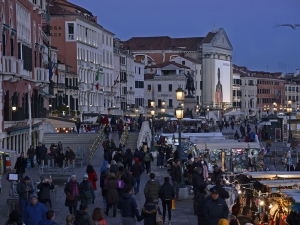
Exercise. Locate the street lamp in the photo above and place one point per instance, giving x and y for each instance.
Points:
(207, 109)
(180, 94)
(163, 103)
(14, 108)
(152, 103)
(152, 112)
(275, 107)
(197, 108)
(289, 110)
(179, 111)
(163, 110)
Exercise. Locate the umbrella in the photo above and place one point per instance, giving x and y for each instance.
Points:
(163, 115)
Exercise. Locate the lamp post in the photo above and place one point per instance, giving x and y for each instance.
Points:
(289, 111)
(207, 109)
(152, 112)
(179, 115)
(197, 108)
(275, 108)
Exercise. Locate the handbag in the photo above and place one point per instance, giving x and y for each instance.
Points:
(70, 197)
(159, 220)
(120, 184)
(173, 204)
(88, 194)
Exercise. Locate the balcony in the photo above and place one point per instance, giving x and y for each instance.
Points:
(9, 65)
(83, 108)
(93, 108)
(41, 76)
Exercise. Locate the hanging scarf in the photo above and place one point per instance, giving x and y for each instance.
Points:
(75, 188)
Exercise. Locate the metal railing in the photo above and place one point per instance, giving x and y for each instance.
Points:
(124, 136)
(93, 148)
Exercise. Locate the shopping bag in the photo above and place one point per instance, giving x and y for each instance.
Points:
(120, 184)
(173, 204)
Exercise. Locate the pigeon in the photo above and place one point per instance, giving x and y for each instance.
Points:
(293, 26)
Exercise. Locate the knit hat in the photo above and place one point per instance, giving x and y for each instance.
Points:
(15, 215)
(136, 159)
(223, 222)
(26, 178)
(34, 196)
(85, 176)
(73, 176)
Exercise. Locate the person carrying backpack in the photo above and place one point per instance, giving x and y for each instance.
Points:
(120, 128)
(148, 158)
(252, 137)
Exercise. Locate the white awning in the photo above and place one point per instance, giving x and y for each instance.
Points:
(237, 145)
(264, 123)
(274, 174)
(93, 119)
(3, 150)
(278, 183)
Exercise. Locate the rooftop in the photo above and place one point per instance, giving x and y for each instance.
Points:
(164, 64)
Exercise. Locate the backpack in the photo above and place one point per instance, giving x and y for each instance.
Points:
(120, 127)
(147, 157)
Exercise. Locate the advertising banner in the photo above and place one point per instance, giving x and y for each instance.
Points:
(222, 85)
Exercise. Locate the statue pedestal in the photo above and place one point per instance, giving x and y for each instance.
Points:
(190, 102)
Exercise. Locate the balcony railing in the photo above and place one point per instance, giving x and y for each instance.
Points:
(9, 64)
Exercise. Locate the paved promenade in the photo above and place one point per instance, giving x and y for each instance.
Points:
(183, 214)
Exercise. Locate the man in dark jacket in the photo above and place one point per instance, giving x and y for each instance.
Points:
(161, 155)
(24, 189)
(50, 217)
(215, 208)
(82, 217)
(118, 156)
(223, 194)
(43, 153)
(152, 188)
(198, 183)
(37, 153)
(201, 199)
(44, 194)
(217, 174)
(128, 207)
(20, 166)
(246, 216)
(166, 194)
(176, 177)
(136, 170)
(114, 168)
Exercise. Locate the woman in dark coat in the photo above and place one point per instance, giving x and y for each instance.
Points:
(87, 194)
(120, 176)
(59, 147)
(72, 188)
(60, 158)
(30, 154)
(149, 212)
(201, 199)
(112, 197)
(128, 157)
(167, 194)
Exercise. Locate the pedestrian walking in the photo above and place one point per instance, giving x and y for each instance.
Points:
(82, 216)
(87, 194)
(60, 157)
(120, 128)
(103, 179)
(24, 190)
(128, 157)
(129, 209)
(149, 211)
(50, 217)
(168, 152)
(152, 188)
(121, 180)
(201, 198)
(106, 130)
(114, 168)
(167, 194)
(35, 212)
(14, 218)
(78, 125)
(176, 177)
(112, 196)
(43, 153)
(148, 158)
(161, 155)
(215, 208)
(232, 125)
(223, 194)
(98, 217)
(198, 184)
(37, 152)
(136, 171)
(93, 177)
(20, 166)
(69, 156)
(45, 186)
(30, 155)
(59, 147)
(72, 194)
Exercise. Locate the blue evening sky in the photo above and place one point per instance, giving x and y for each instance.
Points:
(249, 24)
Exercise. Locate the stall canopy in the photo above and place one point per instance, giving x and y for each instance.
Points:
(3, 150)
(274, 174)
(278, 183)
(93, 119)
(293, 193)
(237, 145)
(265, 123)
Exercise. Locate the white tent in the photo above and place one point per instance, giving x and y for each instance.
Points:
(230, 145)
(278, 183)
(93, 119)
(234, 113)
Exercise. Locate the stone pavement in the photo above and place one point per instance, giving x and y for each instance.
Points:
(183, 214)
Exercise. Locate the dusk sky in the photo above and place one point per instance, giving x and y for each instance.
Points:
(249, 24)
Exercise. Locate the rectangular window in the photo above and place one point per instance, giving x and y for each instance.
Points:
(183, 62)
(123, 76)
(200, 85)
(159, 103)
(250, 82)
(122, 60)
(149, 88)
(139, 84)
(159, 87)
(3, 45)
(12, 47)
(124, 90)
(71, 31)
(170, 103)
(170, 87)
(139, 70)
